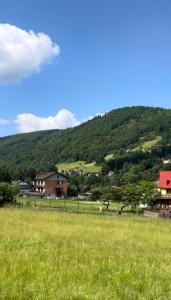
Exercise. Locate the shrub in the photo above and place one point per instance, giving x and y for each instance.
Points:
(7, 193)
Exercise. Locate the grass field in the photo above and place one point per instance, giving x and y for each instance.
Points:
(80, 165)
(48, 255)
(142, 146)
(70, 205)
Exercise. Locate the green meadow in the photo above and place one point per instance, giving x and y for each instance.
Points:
(71, 205)
(79, 165)
(50, 255)
(147, 145)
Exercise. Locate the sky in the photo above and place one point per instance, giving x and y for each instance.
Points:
(65, 61)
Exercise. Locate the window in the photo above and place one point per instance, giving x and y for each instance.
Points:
(168, 182)
(62, 182)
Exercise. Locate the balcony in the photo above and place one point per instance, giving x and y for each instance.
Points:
(161, 196)
(39, 183)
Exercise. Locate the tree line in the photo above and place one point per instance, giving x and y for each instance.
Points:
(129, 195)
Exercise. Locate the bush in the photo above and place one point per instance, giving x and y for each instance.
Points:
(7, 193)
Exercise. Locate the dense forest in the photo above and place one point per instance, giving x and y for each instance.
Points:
(137, 138)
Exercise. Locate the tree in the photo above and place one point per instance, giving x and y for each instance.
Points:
(135, 195)
(106, 195)
(149, 193)
(131, 195)
(96, 195)
(72, 191)
(5, 175)
(7, 193)
(101, 196)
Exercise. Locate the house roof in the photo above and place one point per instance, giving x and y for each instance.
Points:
(44, 176)
(165, 180)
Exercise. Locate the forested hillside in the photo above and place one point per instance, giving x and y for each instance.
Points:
(121, 133)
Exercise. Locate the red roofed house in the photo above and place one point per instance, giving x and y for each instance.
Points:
(164, 197)
(165, 183)
(52, 183)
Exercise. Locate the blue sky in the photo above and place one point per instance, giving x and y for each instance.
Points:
(112, 54)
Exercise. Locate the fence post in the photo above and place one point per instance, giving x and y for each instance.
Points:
(78, 204)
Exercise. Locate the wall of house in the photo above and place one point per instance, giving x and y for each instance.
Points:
(50, 186)
(163, 192)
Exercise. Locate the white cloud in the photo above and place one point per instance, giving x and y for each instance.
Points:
(92, 117)
(23, 52)
(29, 122)
(4, 122)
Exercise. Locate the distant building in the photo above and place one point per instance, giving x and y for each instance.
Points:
(111, 173)
(84, 196)
(24, 187)
(51, 183)
(166, 161)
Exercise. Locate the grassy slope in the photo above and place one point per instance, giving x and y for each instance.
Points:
(142, 146)
(147, 145)
(80, 165)
(45, 255)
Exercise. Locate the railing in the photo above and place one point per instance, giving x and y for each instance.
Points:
(168, 196)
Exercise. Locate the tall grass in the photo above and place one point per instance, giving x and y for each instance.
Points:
(47, 255)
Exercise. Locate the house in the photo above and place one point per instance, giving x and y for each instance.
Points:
(51, 183)
(24, 187)
(164, 190)
(165, 183)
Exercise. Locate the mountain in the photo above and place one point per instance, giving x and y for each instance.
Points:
(119, 133)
